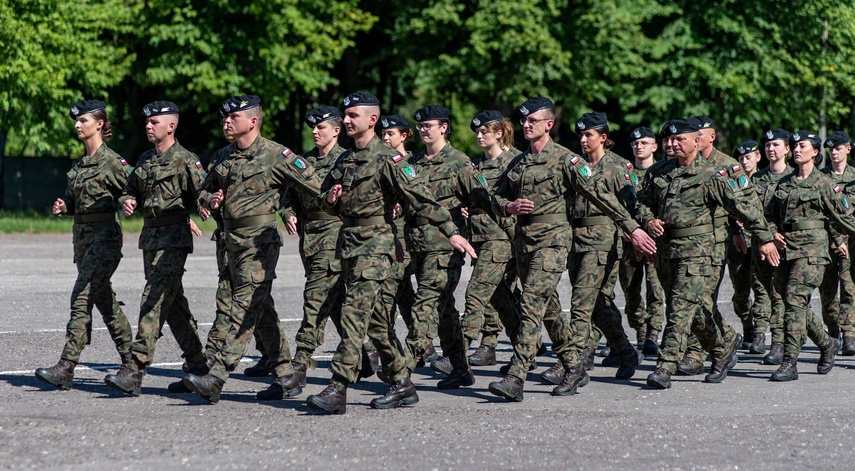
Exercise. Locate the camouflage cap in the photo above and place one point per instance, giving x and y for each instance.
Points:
(484, 117)
(86, 106)
(319, 115)
(157, 108)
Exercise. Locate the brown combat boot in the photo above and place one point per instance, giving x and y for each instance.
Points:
(332, 400)
(300, 372)
(60, 375)
(690, 366)
(207, 386)
(484, 356)
(848, 346)
(775, 355)
(282, 387)
(510, 387)
(788, 371)
(126, 380)
(457, 379)
(574, 379)
(442, 365)
(402, 393)
(554, 375)
(659, 379)
(758, 344)
(428, 356)
(587, 358)
(826, 357)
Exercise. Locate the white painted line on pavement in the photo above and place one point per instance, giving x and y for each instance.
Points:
(42, 331)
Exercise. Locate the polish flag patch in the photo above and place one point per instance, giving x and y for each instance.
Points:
(198, 164)
(629, 165)
(397, 158)
(286, 152)
(837, 189)
(735, 168)
(124, 162)
(574, 160)
(722, 172)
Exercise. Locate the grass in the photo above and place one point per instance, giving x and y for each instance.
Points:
(30, 221)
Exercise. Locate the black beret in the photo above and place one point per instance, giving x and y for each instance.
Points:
(747, 147)
(804, 135)
(157, 108)
(431, 112)
(837, 138)
(774, 135)
(394, 121)
(641, 132)
(359, 99)
(591, 120)
(705, 122)
(680, 126)
(484, 117)
(86, 106)
(239, 103)
(535, 103)
(321, 114)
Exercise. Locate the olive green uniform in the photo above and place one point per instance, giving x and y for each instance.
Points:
(839, 312)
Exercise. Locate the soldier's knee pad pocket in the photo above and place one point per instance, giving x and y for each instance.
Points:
(373, 268)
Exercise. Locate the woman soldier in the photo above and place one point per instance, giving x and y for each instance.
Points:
(805, 202)
(95, 183)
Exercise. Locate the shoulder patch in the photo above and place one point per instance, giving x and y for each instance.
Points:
(574, 160)
(299, 163)
(743, 182)
(732, 184)
(735, 168)
(586, 171)
(629, 165)
(198, 164)
(397, 158)
(123, 161)
(286, 152)
(845, 202)
(722, 172)
(634, 179)
(837, 189)
(483, 181)
(410, 171)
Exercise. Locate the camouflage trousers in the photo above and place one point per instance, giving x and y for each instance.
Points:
(689, 285)
(540, 271)
(740, 272)
(404, 294)
(96, 264)
(838, 313)
(492, 299)
(437, 275)
(797, 279)
(322, 298)
(632, 273)
(366, 309)
(768, 305)
(593, 276)
(163, 301)
(695, 349)
(252, 272)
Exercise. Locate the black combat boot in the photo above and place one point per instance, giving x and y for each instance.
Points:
(60, 375)
(747, 337)
(758, 344)
(612, 359)
(775, 355)
(458, 378)
(659, 379)
(402, 393)
(650, 346)
(690, 366)
(719, 370)
(574, 379)
(629, 358)
(126, 380)
(300, 372)
(260, 369)
(788, 371)
(510, 387)
(586, 356)
(208, 386)
(848, 346)
(442, 365)
(554, 374)
(282, 387)
(332, 400)
(484, 356)
(826, 356)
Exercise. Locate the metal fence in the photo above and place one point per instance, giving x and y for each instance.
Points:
(32, 182)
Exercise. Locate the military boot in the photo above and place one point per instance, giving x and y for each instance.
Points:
(457, 378)
(402, 393)
(690, 366)
(587, 358)
(554, 374)
(788, 371)
(126, 380)
(747, 337)
(659, 379)
(260, 369)
(428, 356)
(484, 356)
(650, 346)
(612, 360)
(510, 387)
(826, 356)
(639, 339)
(605, 352)
(775, 355)
(719, 370)
(574, 379)
(332, 400)
(59, 375)
(370, 363)
(848, 346)
(300, 372)
(282, 387)
(207, 386)
(541, 349)
(758, 344)
(178, 387)
(126, 358)
(630, 358)
(442, 365)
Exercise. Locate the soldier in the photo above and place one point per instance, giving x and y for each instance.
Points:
(248, 187)
(806, 202)
(646, 320)
(492, 296)
(536, 188)
(364, 188)
(839, 314)
(95, 183)
(164, 185)
(678, 204)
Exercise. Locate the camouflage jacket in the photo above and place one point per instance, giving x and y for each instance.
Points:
(617, 178)
(764, 183)
(166, 185)
(685, 199)
(253, 181)
(373, 179)
(846, 180)
(318, 229)
(94, 186)
(483, 226)
(455, 184)
(216, 158)
(548, 179)
(720, 160)
(817, 201)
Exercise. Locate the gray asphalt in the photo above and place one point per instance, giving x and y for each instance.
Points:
(747, 422)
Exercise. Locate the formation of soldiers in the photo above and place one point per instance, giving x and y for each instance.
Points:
(372, 216)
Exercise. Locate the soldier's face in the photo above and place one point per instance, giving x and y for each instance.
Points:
(840, 153)
(776, 150)
(536, 124)
(685, 145)
(804, 153)
(237, 124)
(749, 161)
(157, 128)
(591, 140)
(393, 137)
(358, 120)
(324, 133)
(87, 126)
(706, 139)
(432, 131)
(668, 147)
(643, 148)
(486, 138)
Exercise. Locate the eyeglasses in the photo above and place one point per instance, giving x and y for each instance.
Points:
(640, 144)
(532, 121)
(425, 126)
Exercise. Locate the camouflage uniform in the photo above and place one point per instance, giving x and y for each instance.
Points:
(94, 186)
(542, 240)
(492, 298)
(165, 187)
(451, 179)
(839, 313)
(685, 200)
(324, 291)
(253, 181)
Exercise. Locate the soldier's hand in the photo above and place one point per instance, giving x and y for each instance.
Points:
(291, 225)
(400, 256)
(780, 242)
(195, 229)
(128, 207)
(844, 250)
(58, 206)
(740, 243)
(642, 241)
(396, 211)
(333, 194)
(519, 206)
(464, 212)
(656, 228)
(462, 245)
(769, 252)
(204, 213)
(216, 199)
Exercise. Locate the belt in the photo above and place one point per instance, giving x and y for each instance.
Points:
(321, 216)
(369, 221)
(541, 218)
(420, 221)
(166, 220)
(94, 217)
(592, 221)
(237, 223)
(799, 226)
(690, 231)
